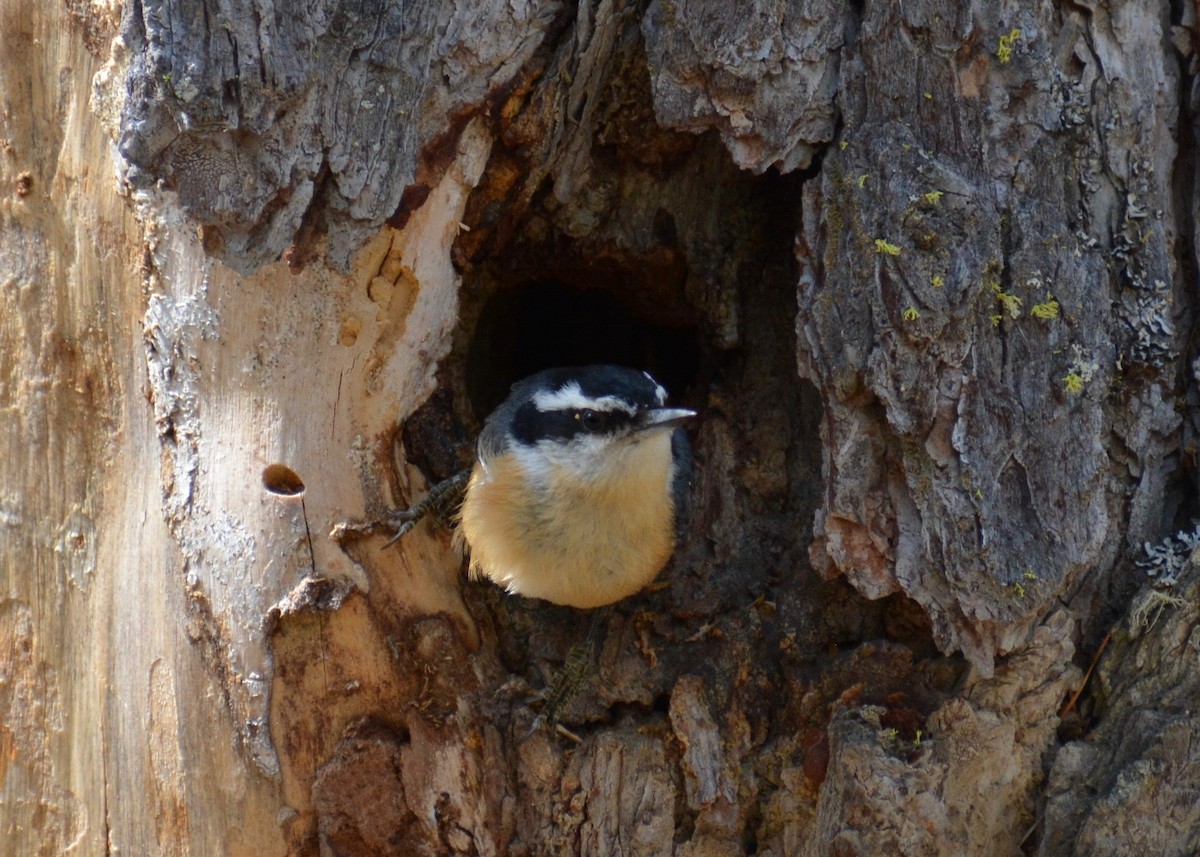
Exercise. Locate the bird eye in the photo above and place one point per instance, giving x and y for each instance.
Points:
(590, 420)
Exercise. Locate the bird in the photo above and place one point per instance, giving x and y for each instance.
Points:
(579, 488)
(577, 496)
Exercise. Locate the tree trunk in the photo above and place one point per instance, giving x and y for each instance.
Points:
(927, 271)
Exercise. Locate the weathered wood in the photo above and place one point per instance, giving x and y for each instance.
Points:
(766, 77)
(1131, 784)
(258, 115)
(968, 419)
(968, 228)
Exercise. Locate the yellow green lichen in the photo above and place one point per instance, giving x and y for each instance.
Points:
(882, 245)
(1048, 309)
(1004, 50)
(1009, 303)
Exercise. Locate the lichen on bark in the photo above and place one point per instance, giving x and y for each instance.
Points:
(923, 267)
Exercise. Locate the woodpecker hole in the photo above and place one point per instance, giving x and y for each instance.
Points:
(282, 481)
(541, 323)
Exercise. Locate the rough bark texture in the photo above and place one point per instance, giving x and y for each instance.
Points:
(767, 80)
(929, 276)
(251, 112)
(966, 469)
(1131, 786)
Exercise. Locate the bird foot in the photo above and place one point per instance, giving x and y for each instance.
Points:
(565, 685)
(441, 502)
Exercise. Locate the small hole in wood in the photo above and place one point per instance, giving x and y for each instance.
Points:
(281, 480)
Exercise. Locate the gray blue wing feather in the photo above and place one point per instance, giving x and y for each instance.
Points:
(681, 482)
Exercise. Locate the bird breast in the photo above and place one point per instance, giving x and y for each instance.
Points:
(573, 538)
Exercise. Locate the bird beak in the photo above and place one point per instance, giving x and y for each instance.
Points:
(657, 418)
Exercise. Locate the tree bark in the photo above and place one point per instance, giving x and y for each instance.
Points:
(927, 270)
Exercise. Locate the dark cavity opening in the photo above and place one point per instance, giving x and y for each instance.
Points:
(544, 323)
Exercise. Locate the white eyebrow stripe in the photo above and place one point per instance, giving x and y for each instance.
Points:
(570, 397)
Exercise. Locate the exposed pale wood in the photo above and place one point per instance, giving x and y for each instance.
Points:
(247, 259)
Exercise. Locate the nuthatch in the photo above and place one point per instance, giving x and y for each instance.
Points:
(579, 486)
(577, 494)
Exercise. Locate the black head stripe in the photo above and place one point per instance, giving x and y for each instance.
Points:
(531, 424)
(520, 415)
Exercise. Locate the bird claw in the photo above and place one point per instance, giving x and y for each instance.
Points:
(565, 685)
(439, 501)
(405, 516)
(403, 528)
(542, 721)
(534, 728)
